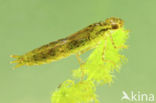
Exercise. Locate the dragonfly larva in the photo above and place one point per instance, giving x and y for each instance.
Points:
(78, 42)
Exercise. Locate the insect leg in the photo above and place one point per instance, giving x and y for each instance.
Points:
(104, 52)
(81, 52)
(113, 43)
(79, 59)
(81, 62)
(111, 38)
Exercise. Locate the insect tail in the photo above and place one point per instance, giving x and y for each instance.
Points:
(18, 61)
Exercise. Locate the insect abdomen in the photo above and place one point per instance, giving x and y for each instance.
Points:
(51, 52)
(84, 39)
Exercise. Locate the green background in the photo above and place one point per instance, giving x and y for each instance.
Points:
(27, 24)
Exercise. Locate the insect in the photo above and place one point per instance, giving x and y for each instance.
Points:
(76, 43)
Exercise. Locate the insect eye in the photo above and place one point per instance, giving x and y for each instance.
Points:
(115, 26)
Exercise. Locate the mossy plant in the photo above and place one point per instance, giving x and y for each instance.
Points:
(97, 70)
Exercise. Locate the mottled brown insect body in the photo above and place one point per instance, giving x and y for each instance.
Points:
(83, 40)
